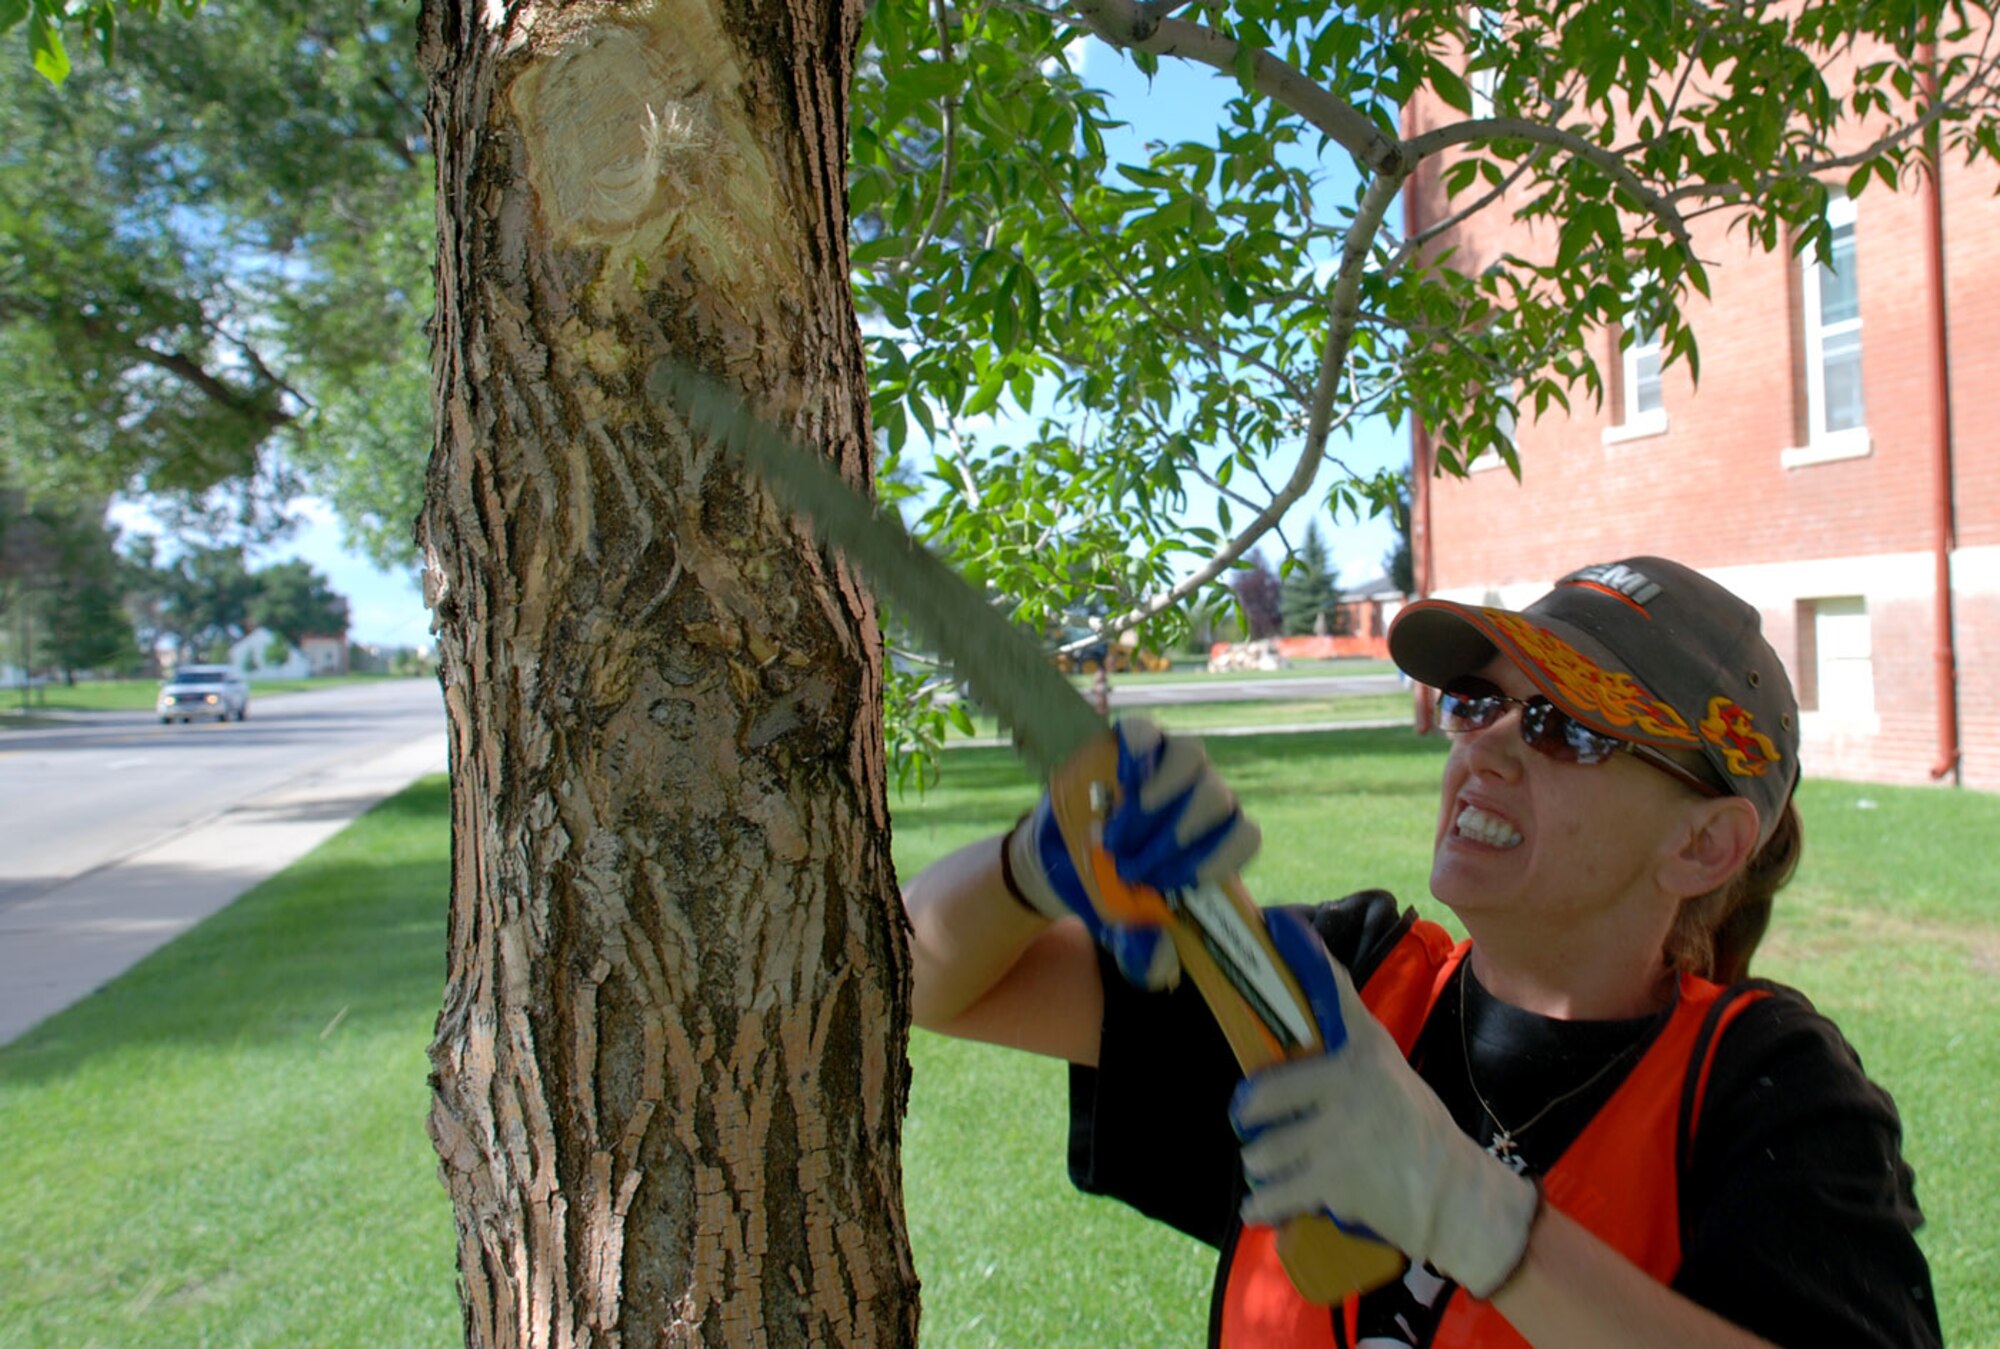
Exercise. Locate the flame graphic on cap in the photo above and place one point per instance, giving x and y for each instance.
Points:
(1730, 728)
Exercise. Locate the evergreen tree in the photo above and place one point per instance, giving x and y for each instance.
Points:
(1309, 595)
(1400, 563)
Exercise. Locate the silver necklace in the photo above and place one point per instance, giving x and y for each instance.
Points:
(1504, 1145)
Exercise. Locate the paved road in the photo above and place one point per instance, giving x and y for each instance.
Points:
(118, 833)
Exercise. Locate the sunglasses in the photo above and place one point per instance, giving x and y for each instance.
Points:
(1472, 704)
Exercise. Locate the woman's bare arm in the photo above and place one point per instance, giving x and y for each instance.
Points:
(985, 967)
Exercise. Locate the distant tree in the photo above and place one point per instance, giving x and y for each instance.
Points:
(1399, 564)
(1258, 595)
(205, 596)
(1309, 594)
(88, 629)
(216, 261)
(59, 564)
(295, 601)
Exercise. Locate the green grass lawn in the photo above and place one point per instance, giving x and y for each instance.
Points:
(1253, 712)
(137, 695)
(226, 1145)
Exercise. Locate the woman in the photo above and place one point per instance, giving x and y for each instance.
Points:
(1584, 1125)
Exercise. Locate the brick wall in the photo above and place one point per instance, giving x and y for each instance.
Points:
(1716, 488)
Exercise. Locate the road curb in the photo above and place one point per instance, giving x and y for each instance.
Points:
(63, 943)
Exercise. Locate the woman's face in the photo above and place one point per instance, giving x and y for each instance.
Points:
(1521, 833)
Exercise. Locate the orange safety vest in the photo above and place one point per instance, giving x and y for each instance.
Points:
(1633, 1208)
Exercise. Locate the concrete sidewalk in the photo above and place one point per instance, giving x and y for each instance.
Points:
(69, 940)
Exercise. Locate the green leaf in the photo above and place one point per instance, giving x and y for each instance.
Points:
(1022, 386)
(1146, 177)
(988, 393)
(1446, 83)
(1246, 68)
(51, 58)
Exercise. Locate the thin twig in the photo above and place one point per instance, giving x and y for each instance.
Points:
(948, 158)
(1128, 24)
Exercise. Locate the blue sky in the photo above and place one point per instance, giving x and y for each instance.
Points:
(1182, 103)
(383, 608)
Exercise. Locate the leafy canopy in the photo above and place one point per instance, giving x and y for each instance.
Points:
(1215, 315)
(94, 20)
(230, 280)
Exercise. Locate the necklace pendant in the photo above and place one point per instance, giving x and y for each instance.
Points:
(1502, 1146)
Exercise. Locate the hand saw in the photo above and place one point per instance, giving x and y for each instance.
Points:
(1217, 930)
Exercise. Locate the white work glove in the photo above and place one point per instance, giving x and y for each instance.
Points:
(1355, 1132)
(1176, 825)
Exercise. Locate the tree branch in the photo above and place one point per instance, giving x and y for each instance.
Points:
(1144, 27)
(1343, 305)
(1519, 128)
(258, 365)
(1416, 241)
(191, 370)
(1981, 79)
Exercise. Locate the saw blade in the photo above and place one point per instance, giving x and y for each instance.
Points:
(1222, 929)
(1006, 669)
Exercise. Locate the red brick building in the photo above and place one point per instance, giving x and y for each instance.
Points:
(1837, 469)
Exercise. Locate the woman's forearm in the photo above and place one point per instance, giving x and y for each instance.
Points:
(1572, 1289)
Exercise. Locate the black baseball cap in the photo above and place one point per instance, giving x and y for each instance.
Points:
(1645, 650)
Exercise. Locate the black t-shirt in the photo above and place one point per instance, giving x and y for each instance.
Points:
(1798, 1212)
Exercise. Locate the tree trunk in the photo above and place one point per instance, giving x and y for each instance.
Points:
(670, 1068)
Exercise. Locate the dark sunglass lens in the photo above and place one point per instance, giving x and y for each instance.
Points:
(1555, 733)
(1470, 704)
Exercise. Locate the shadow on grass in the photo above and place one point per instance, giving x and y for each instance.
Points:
(354, 931)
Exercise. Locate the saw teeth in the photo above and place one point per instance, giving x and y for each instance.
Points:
(1491, 830)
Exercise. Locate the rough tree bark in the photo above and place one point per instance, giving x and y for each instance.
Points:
(669, 1070)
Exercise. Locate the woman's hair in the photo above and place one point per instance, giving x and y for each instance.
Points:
(1714, 935)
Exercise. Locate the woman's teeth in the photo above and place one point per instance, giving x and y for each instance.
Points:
(1480, 827)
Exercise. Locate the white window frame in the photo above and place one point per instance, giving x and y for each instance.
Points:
(1485, 80)
(1504, 421)
(1823, 446)
(1843, 675)
(1635, 422)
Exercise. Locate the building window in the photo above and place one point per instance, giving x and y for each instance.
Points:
(1836, 658)
(1482, 78)
(1642, 411)
(1642, 372)
(1836, 422)
(1503, 423)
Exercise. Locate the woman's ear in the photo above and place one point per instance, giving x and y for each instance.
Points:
(1718, 838)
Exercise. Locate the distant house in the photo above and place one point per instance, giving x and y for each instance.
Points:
(1366, 610)
(326, 651)
(263, 654)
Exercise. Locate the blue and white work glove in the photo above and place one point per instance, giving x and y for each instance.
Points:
(1355, 1132)
(1175, 825)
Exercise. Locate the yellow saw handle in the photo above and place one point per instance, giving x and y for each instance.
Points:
(1324, 1263)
